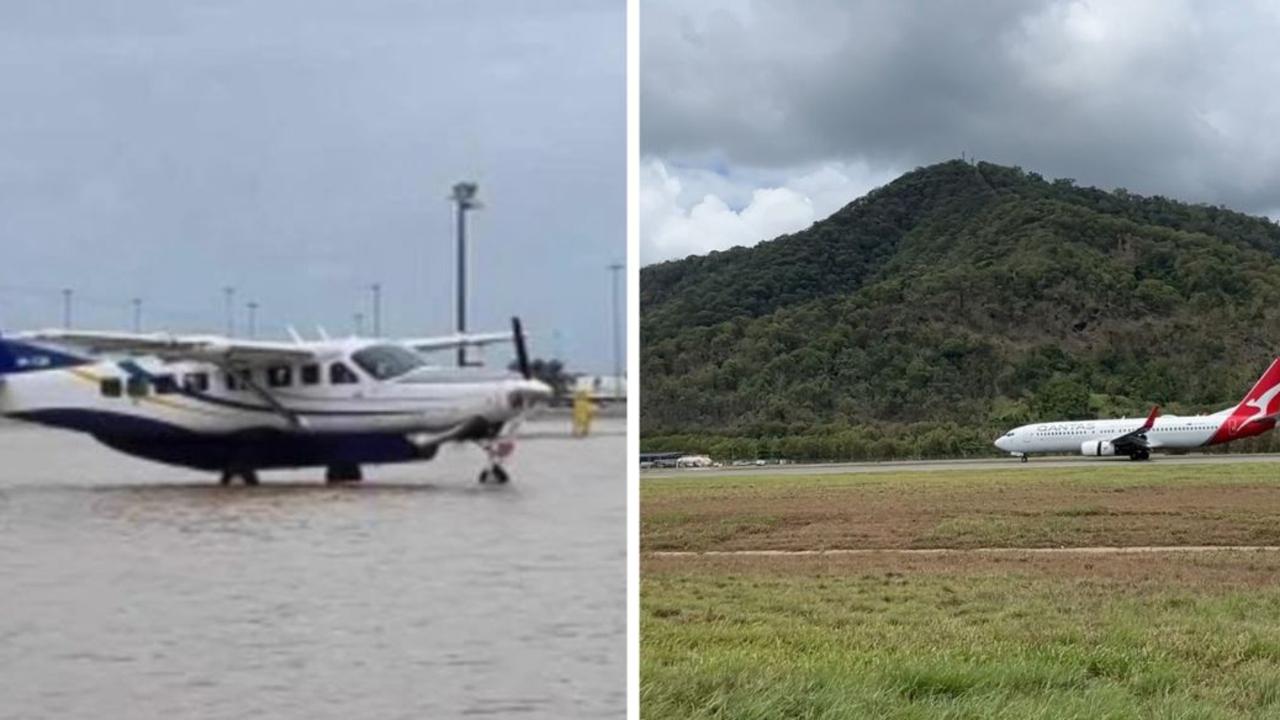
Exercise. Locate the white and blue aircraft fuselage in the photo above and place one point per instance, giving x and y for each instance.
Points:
(239, 406)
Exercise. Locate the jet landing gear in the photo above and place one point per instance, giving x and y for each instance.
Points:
(498, 451)
(345, 473)
(1140, 455)
(248, 477)
(1024, 457)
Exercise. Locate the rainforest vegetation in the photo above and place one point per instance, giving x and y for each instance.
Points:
(959, 300)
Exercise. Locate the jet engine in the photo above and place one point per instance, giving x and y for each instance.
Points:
(1097, 448)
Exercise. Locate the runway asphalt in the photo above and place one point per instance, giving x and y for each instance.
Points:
(933, 465)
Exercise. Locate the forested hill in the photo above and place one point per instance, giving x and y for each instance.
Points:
(954, 302)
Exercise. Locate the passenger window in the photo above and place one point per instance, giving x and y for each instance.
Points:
(340, 374)
(111, 387)
(310, 374)
(136, 386)
(196, 382)
(279, 376)
(165, 384)
(244, 378)
(230, 380)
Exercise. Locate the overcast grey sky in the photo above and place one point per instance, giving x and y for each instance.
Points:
(762, 116)
(300, 150)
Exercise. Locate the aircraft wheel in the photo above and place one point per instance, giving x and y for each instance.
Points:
(250, 477)
(484, 476)
(1025, 458)
(500, 475)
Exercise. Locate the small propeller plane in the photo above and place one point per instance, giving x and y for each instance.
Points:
(239, 406)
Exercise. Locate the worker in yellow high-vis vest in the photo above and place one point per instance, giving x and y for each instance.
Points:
(583, 412)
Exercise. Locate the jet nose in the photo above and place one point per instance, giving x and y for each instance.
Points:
(1002, 443)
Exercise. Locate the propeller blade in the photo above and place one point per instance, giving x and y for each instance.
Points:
(522, 353)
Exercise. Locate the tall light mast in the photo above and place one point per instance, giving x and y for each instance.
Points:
(464, 197)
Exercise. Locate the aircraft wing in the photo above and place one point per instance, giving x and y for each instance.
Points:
(207, 348)
(448, 342)
(1137, 438)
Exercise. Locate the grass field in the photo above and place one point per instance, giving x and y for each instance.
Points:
(1106, 504)
(1167, 635)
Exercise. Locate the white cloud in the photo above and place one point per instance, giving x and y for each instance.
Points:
(692, 211)
(1166, 97)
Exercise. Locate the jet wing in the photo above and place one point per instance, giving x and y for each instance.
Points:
(1137, 438)
(448, 342)
(206, 348)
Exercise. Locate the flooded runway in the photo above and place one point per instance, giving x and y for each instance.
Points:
(137, 590)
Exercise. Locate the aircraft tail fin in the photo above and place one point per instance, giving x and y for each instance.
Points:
(17, 356)
(1256, 413)
(1264, 396)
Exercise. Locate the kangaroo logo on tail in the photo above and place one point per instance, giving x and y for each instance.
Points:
(1257, 412)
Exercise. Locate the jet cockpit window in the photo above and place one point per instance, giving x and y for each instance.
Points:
(387, 361)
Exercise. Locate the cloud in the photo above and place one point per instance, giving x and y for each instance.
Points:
(694, 211)
(301, 150)
(1161, 97)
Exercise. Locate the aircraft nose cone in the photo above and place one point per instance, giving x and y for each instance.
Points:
(539, 390)
(1002, 443)
(530, 393)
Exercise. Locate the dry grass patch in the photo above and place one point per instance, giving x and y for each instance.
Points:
(1106, 504)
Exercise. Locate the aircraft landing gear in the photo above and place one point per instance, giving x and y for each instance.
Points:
(1140, 455)
(1024, 457)
(498, 451)
(345, 473)
(248, 477)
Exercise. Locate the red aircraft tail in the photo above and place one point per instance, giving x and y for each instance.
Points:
(1257, 412)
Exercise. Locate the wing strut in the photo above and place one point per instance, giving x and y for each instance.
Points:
(294, 419)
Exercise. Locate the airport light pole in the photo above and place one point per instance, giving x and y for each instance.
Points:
(376, 289)
(66, 308)
(358, 319)
(464, 196)
(615, 270)
(137, 315)
(229, 295)
(253, 319)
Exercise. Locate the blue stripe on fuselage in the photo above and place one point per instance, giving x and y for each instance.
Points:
(261, 448)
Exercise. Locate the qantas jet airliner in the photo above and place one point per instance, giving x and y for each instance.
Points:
(1256, 414)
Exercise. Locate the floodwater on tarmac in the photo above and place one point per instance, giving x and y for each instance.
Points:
(129, 589)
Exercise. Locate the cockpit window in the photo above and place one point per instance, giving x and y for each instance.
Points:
(387, 361)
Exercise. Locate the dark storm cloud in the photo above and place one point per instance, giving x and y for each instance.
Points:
(1158, 97)
(302, 150)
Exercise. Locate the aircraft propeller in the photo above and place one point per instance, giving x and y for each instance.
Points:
(522, 353)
